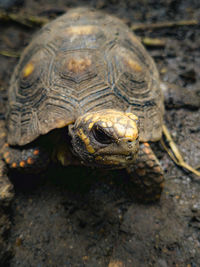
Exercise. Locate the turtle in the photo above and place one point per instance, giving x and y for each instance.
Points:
(86, 92)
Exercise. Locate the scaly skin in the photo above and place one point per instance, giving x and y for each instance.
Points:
(31, 159)
(147, 175)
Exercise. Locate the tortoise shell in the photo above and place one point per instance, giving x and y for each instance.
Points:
(83, 61)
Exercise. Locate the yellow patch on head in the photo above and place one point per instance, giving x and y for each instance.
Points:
(109, 124)
(90, 149)
(132, 116)
(131, 133)
(123, 121)
(104, 124)
(86, 140)
(94, 118)
(120, 129)
(91, 125)
(82, 30)
(88, 117)
(78, 65)
(28, 69)
(124, 124)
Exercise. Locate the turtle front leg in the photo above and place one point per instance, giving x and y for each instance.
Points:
(146, 175)
(26, 159)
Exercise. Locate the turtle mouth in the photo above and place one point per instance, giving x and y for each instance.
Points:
(115, 161)
(124, 155)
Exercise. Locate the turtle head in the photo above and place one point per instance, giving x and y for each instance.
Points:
(106, 138)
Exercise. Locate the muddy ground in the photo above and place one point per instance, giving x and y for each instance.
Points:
(78, 217)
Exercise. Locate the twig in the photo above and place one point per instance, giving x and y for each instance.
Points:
(30, 21)
(153, 41)
(174, 153)
(9, 53)
(25, 20)
(164, 24)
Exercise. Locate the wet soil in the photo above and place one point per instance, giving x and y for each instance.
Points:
(80, 217)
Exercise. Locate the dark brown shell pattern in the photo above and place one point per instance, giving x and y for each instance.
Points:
(83, 61)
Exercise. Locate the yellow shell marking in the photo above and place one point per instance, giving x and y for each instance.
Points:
(28, 69)
(82, 30)
(78, 65)
(130, 60)
(86, 140)
(133, 65)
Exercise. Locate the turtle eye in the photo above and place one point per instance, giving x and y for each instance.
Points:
(101, 137)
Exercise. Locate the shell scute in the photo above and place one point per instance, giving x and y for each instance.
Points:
(84, 61)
